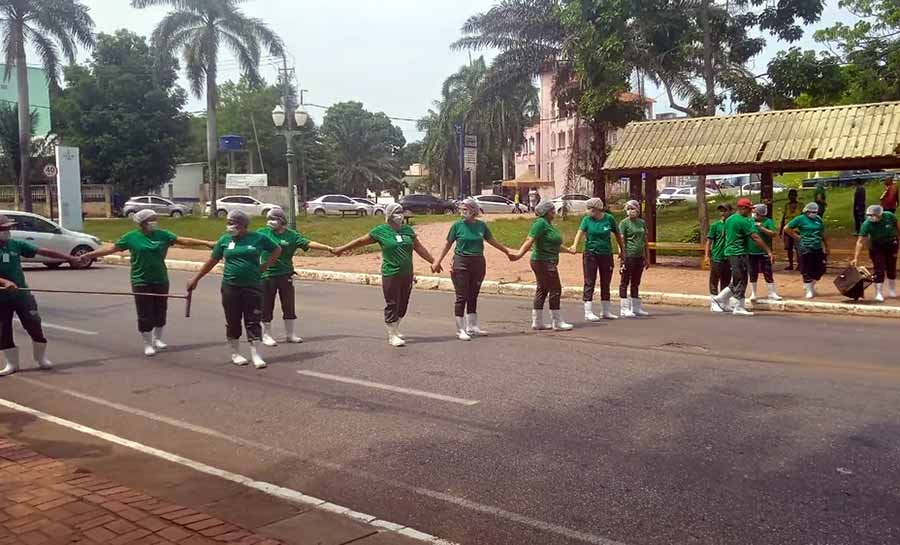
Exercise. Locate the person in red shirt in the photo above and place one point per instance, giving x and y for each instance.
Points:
(889, 197)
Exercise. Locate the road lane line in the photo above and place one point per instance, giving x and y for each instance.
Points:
(389, 388)
(69, 329)
(424, 492)
(262, 486)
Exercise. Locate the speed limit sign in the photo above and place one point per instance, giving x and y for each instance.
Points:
(50, 171)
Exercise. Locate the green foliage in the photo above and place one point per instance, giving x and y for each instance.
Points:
(9, 140)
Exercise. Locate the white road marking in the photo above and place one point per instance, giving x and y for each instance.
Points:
(389, 388)
(425, 492)
(69, 329)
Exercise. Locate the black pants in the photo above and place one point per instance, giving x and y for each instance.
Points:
(282, 287)
(789, 246)
(740, 269)
(151, 311)
(242, 303)
(397, 290)
(812, 265)
(719, 276)
(858, 218)
(632, 272)
(761, 264)
(24, 306)
(594, 263)
(548, 284)
(467, 275)
(884, 260)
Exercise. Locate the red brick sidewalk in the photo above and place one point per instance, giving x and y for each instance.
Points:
(47, 502)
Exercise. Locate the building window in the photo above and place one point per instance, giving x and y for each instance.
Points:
(571, 138)
(562, 140)
(552, 140)
(552, 172)
(531, 145)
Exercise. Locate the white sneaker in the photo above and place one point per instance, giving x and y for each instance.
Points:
(808, 292)
(753, 292)
(461, 329)
(149, 350)
(158, 343)
(258, 362)
(11, 355)
(625, 308)
(40, 356)
(772, 294)
(267, 338)
(289, 336)
(472, 327)
(879, 293)
(892, 288)
(606, 311)
(638, 308)
(236, 357)
(589, 315)
(393, 337)
(557, 322)
(537, 320)
(740, 310)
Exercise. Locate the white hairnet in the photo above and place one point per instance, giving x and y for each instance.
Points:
(542, 209)
(874, 210)
(595, 203)
(761, 209)
(277, 214)
(143, 216)
(238, 217)
(391, 209)
(811, 207)
(633, 205)
(472, 205)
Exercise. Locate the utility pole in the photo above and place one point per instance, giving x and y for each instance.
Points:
(303, 158)
(288, 140)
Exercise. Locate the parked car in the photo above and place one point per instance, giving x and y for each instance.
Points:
(755, 188)
(338, 205)
(497, 204)
(426, 204)
(248, 205)
(575, 203)
(376, 207)
(44, 233)
(162, 207)
(670, 195)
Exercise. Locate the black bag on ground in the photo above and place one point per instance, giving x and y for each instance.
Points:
(852, 282)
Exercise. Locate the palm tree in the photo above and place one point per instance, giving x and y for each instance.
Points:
(52, 28)
(199, 28)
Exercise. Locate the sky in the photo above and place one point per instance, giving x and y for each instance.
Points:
(391, 55)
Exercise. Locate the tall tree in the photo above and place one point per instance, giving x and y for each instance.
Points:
(199, 29)
(54, 28)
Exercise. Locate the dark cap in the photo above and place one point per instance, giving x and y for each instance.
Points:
(725, 207)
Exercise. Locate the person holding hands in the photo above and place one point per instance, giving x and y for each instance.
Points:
(597, 228)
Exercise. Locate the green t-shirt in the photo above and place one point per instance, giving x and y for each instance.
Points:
(242, 258)
(11, 254)
(547, 241)
(819, 196)
(737, 235)
(634, 234)
(716, 238)
(469, 237)
(148, 255)
(752, 248)
(396, 249)
(880, 231)
(811, 232)
(599, 233)
(289, 241)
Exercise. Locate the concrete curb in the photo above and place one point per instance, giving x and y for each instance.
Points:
(493, 287)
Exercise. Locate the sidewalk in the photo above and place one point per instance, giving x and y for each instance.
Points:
(47, 502)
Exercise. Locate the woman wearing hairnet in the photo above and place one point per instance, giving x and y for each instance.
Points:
(633, 230)
(398, 241)
(469, 235)
(147, 246)
(598, 227)
(759, 259)
(809, 230)
(278, 280)
(545, 243)
(880, 231)
(242, 293)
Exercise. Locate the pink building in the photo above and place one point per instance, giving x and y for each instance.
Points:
(549, 145)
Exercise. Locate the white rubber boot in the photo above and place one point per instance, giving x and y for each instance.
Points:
(625, 308)
(713, 306)
(472, 327)
(808, 292)
(158, 342)
(461, 329)
(722, 300)
(236, 357)
(40, 356)
(637, 308)
(537, 320)
(892, 288)
(589, 315)
(11, 355)
(753, 292)
(879, 293)
(393, 336)
(772, 293)
(557, 322)
(740, 309)
(815, 292)
(149, 350)
(258, 362)
(267, 338)
(289, 335)
(606, 311)
(397, 330)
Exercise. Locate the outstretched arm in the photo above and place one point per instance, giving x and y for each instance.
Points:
(517, 255)
(422, 251)
(496, 244)
(97, 254)
(56, 255)
(187, 241)
(319, 246)
(436, 266)
(204, 270)
(573, 249)
(352, 245)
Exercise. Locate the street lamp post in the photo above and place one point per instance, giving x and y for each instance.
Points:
(279, 117)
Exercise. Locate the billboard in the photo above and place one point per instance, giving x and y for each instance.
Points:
(68, 180)
(246, 181)
(38, 95)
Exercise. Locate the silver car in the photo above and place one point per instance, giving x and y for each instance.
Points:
(338, 205)
(378, 208)
(44, 233)
(162, 207)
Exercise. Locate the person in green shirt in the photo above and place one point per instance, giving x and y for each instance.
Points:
(148, 246)
(819, 196)
(739, 232)
(469, 267)
(880, 231)
(20, 303)
(278, 280)
(242, 294)
(637, 258)
(714, 255)
(759, 261)
(545, 243)
(808, 230)
(598, 227)
(398, 241)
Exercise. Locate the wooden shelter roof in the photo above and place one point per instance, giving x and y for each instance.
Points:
(833, 138)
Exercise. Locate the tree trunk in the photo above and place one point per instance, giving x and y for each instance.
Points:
(212, 140)
(24, 108)
(598, 157)
(505, 158)
(710, 79)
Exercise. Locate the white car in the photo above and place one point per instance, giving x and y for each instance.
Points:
(43, 233)
(495, 204)
(754, 188)
(338, 205)
(669, 195)
(574, 203)
(378, 209)
(248, 205)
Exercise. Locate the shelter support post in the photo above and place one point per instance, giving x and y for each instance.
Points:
(650, 212)
(635, 191)
(767, 189)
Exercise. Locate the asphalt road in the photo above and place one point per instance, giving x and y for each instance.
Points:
(685, 427)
